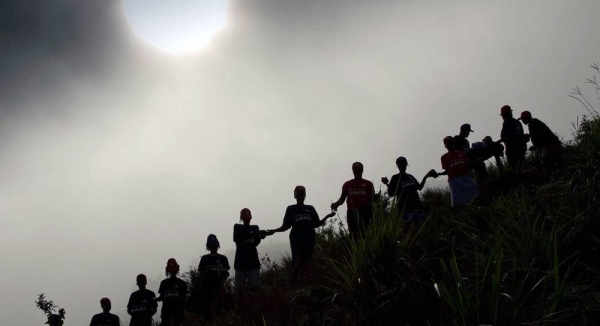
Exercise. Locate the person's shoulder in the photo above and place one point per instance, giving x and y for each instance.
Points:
(310, 207)
(150, 293)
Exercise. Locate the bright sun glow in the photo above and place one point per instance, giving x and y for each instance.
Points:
(176, 26)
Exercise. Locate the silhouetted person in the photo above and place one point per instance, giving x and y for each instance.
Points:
(213, 271)
(247, 265)
(406, 189)
(172, 292)
(360, 194)
(495, 150)
(545, 143)
(513, 137)
(105, 318)
(460, 141)
(303, 219)
(463, 189)
(141, 306)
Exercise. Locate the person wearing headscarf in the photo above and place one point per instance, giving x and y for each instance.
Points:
(172, 292)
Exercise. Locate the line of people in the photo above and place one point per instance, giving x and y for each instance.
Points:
(173, 293)
(359, 195)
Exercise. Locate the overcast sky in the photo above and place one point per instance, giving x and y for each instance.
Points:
(116, 155)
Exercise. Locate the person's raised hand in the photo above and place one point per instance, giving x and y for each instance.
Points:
(385, 180)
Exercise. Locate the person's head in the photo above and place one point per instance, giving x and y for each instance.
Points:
(506, 112)
(212, 243)
(105, 304)
(245, 215)
(141, 281)
(487, 139)
(172, 267)
(300, 194)
(525, 117)
(357, 170)
(465, 130)
(449, 143)
(401, 163)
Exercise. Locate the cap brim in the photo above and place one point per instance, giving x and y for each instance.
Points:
(519, 118)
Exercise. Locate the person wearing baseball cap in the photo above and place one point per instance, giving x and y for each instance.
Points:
(246, 264)
(172, 292)
(546, 144)
(461, 142)
(303, 220)
(463, 189)
(213, 271)
(360, 194)
(514, 139)
(406, 189)
(105, 318)
(142, 304)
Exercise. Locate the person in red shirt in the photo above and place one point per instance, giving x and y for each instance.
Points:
(463, 189)
(360, 194)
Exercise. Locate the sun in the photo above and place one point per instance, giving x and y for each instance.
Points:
(176, 26)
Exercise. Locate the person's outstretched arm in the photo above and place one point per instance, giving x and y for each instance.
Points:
(431, 173)
(287, 223)
(437, 174)
(341, 200)
(324, 219)
(282, 228)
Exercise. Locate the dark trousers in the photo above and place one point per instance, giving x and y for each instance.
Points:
(212, 295)
(515, 156)
(140, 321)
(171, 316)
(302, 250)
(359, 220)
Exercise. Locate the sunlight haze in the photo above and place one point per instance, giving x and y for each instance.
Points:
(117, 155)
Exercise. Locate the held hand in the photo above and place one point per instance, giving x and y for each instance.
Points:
(334, 206)
(432, 173)
(385, 180)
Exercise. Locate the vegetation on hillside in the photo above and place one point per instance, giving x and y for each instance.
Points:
(526, 256)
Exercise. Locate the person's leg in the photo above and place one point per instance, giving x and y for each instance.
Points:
(165, 316)
(240, 279)
(306, 250)
(178, 317)
(352, 220)
(207, 302)
(512, 160)
(366, 217)
(253, 278)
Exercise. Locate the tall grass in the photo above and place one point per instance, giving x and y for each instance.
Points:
(528, 255)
